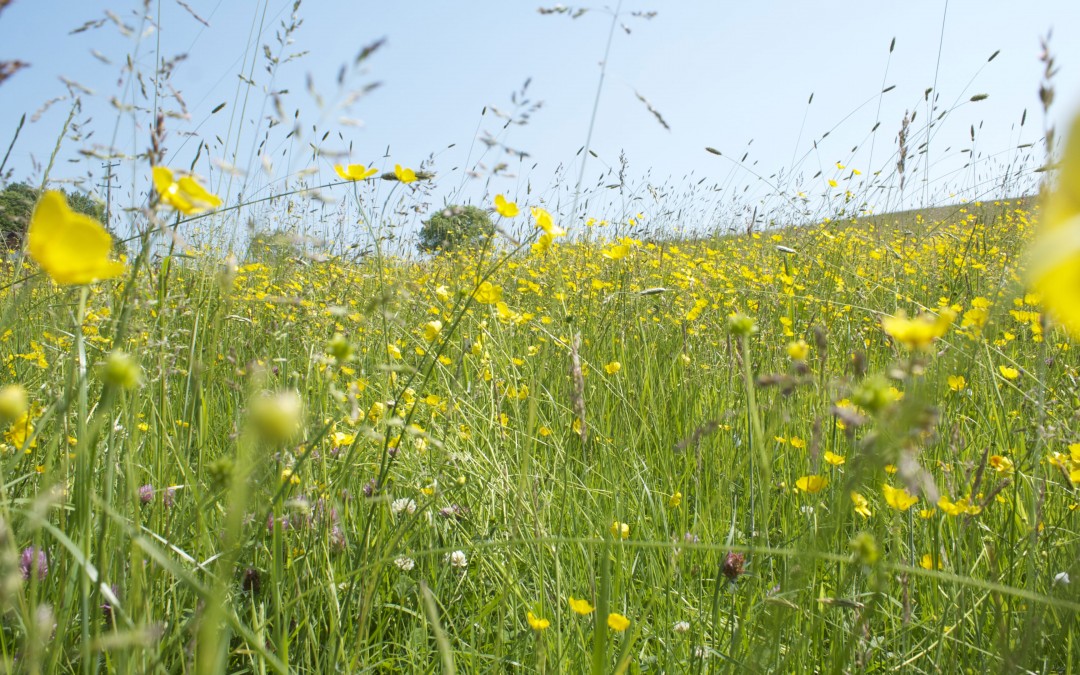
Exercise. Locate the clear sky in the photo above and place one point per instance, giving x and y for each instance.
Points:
(722, 74)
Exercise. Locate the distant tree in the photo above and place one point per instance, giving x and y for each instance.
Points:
(17, 202)
(455, 227)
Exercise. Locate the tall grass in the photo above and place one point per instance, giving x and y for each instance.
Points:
(635, 424)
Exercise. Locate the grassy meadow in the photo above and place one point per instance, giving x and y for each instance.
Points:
(662, 442)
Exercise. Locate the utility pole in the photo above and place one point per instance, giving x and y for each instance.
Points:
(108, 189)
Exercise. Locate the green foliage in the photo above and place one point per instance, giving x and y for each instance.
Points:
(17, 205)
(455, 227)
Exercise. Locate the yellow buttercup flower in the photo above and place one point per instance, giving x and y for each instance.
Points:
(184, 195)
(1055, 254)
(355, 171)
(798, 350)
(404, 175)
(535, 622)
(488, 293)
(621, 530)
(862, 505)
(506, 209)
(581, 607)
(612, 368)
(898, 498)
(957, 382)
(833, 458)
(918, 333)
(812, 484)
(71, 247)
(617, 622)
(432, 330)
(546, 223)
(1008, 373)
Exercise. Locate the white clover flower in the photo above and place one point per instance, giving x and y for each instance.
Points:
(457, 559)
(682, 626)
(1061, 578)
(403, 505)
(404, 563)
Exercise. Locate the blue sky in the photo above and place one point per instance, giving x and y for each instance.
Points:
(721, 74)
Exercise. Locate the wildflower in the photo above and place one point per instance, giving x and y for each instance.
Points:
(621, 530)
(1061, 578)
(535, 622)
(354, 171)
(404, 175)
(277, 418)
(21, 433)
(741, 325)
(121, 370)
(184, 195)
(957, 508)
(506, 209)
(457, 559)
(675, 500)
(898, 498)
(432, 330)
(403, 505)
(733, 566)
(71, 247)
(918, 333)
(545, 222)
(376, 411)
(862, 506)
(865, 548)
(34, 562)
(1008, 373)
(13, 403)
(1001, 464)
(957, 382)
(617, 622)
(612, 367)
(581, 607)
(833, 458)
(339, 348)
(146, 494)
(616, 252)
(811, 484)
(927, 562)
(404, 564)
(798, 443)
(1054, 272)
(798, 350)
(681, 627)
(487, 293)
(393, 351)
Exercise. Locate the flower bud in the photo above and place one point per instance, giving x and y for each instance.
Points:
(13, 403)
(277, 418)
(121, 370)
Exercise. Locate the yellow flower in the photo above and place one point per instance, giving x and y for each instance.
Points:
(675, 500)
(957, 382)
(404, 175)
(798, 350)
(488, 293)
(432, 330)
(832, 183)
(393, 351)
(1001, 464)
(1008, 373)
(13, 403)
(617, 622)
(1054, 263)
(355, 171)
(277, 418)
(505, 208)
(616, 252)
(581, 607)
(959, 507)
(917, 333)
(544, 222)
(621, 530)
(812, 484)
(927, 562)
(71, 247)
(833, 458)
(862, 506)
(612, 367)
(797, 443)
(375, 413)
(184, 195)
(536, 623)
(20, 431)
(898, 498)
(442, 293)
